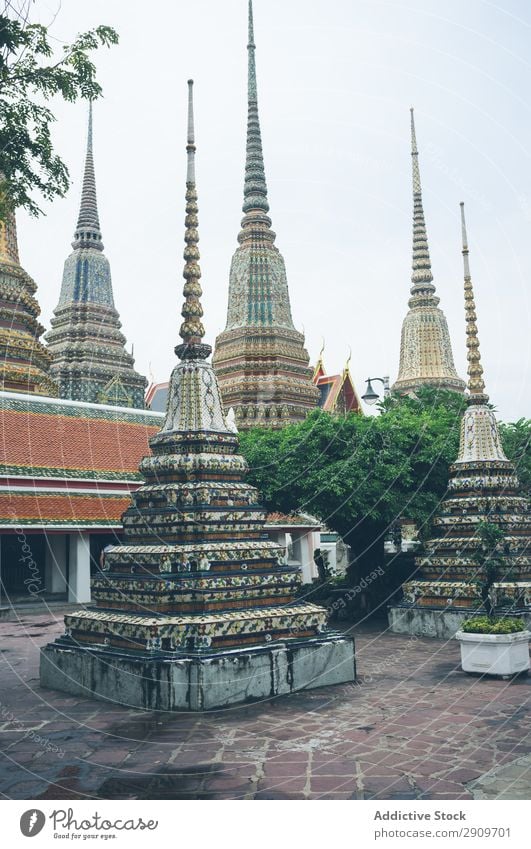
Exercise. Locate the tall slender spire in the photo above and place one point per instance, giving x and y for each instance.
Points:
(88, 232)
(483, 487)
(255, 188)
(422, 276)
(476, 384)
(90, 360)
(260, 359)
(192, 330)
(426, 357)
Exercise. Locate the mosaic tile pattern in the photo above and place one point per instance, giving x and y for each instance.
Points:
(483, 487)
(24, 361)
(90, 362)
(196, 571)
(260, 359)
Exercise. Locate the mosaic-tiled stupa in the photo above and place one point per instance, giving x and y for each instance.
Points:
(426, 357)
(24, 361)
(90, 362)
(260, 360)
(197, 608)
(450, 583)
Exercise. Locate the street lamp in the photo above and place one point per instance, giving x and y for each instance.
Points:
(371, 396)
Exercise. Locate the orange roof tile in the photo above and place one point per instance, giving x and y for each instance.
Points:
(49, 509)
(40, 443)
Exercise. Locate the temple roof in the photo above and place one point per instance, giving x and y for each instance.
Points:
(92, 441)
(338, 393)
(293, 520)
(80, 478)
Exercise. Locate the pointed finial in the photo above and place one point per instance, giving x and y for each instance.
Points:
(89, 133)
(347, 364)
(321, 352)
(421, 276)
(88, 233)
(476, 384)
(255, 188)
(414, 153)
(251, 26)
(251, 47)
(192, 330)
(190, 147)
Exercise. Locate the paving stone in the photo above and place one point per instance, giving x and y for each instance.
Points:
(424, 719)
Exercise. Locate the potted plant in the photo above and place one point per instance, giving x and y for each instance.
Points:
(494, 645)
(490, 644)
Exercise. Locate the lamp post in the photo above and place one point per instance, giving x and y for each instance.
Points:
(371, 396)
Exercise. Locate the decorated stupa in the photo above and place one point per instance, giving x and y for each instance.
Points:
(24, 361)
(450, 583)
(90, 362)
(260, 360)
(426, 357)
(197, 608)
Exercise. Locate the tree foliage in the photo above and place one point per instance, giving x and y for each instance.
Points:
(30, 76)
(516, 438)
(359, 474)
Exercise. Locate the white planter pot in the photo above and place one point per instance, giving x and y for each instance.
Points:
(494, 654)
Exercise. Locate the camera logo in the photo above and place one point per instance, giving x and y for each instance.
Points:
(32, 822)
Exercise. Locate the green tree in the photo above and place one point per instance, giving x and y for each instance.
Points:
(30, 76)
(489, 558)
(516, 439)
(358, 473)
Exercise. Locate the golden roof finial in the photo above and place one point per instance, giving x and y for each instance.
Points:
(347, 364)
(476, 385)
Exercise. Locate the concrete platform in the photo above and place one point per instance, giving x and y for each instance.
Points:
(434, 622)
(198, 682)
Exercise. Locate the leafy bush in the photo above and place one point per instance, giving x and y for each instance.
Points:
(486, 625)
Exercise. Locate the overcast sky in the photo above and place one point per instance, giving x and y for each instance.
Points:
(336, 79)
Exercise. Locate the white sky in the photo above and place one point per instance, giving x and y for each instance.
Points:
(336, 79)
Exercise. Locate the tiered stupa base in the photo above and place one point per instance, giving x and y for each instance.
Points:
(442, 623)
(451, 581)
(199, 609)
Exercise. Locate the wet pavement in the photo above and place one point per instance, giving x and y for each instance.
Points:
(413, 727)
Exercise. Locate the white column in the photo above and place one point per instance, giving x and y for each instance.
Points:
(79, 568)
(310, 541)
(56, 563)
(300, 554)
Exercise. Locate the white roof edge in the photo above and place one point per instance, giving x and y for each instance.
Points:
(54, 479)
(70, 528)
(65, 402)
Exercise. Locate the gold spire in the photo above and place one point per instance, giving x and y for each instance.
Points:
(8, 240)
(192, 330)
(476, 385)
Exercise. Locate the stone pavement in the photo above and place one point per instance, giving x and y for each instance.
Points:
(413, 727)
